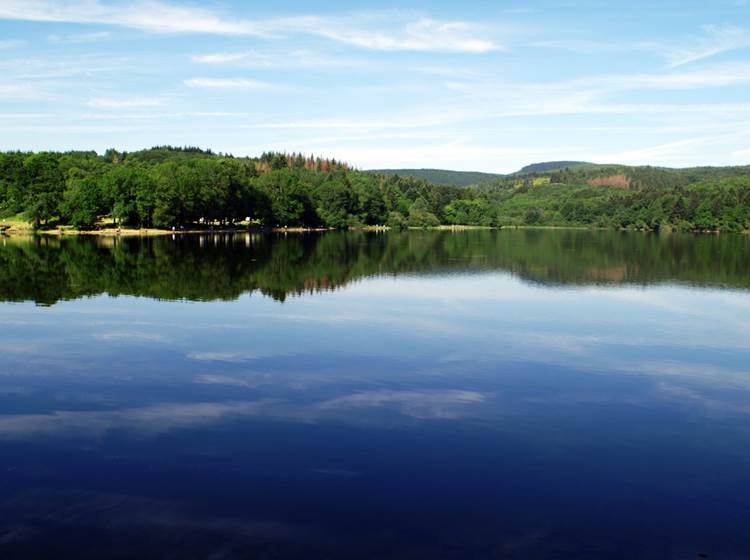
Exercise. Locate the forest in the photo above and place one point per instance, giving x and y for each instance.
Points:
(172, 187)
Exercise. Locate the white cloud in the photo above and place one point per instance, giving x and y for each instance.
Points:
(79, 38)
(385, 31)
(653, 153)
(227, 83)
(219, 58)
(16, 90)
(713, 76)
(11, 44)
(676, 150)
(454, 154)
(297, 58)
(126, 103)
(364, 124)
(715, 40)
(594, 95)
(718, 40)
(147, 15)
(421, 34)
(582, 46)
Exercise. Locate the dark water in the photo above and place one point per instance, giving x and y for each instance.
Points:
(511, 394)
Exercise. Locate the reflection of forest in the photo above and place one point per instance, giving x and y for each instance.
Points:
(207, 267)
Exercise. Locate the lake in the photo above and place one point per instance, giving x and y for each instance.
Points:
(481, 394)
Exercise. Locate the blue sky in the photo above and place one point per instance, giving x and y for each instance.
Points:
(485, 86)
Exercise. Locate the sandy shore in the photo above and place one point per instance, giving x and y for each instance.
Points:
(146, 232)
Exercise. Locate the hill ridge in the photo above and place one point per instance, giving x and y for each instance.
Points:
(448, 177)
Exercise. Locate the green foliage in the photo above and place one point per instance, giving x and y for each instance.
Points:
(82, 203)
(442, 176)
(45, 184)
(335, 202)
(397, 220)
(698, 199)
(548, 166)
(532, 217)
(420, 215)
(172, 187)
(477, 211)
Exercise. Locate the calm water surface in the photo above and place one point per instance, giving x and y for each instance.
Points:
(510, 394)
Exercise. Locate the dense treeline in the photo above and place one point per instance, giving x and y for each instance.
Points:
(442, 176)
(167, 187)
(645, 198)
(48, 269)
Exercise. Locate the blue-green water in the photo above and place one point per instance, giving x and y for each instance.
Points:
(485, 394)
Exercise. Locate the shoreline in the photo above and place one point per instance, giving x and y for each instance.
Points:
(148, 232)
(14, 231)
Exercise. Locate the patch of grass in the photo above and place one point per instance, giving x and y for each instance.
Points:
(17, 222)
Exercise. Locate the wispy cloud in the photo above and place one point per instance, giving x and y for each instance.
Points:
(718, 75)
(581, 45)
(11, 43)
(598, 94)
(667, 150)
(126, 103)
(79, 38)
(296, 58)
(717, 40)
(714, 76)
(420, 34)
(220, 58)
(17, 90)
(227, 83)
(147, 15)
(415, 121)
(389, 31)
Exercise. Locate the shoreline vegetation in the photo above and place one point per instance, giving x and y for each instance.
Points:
(27, 228)
(155, 232)
(166, 190)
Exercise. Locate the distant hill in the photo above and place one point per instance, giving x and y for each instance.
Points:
(468, 178)
(545, 166)
(442, 176)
